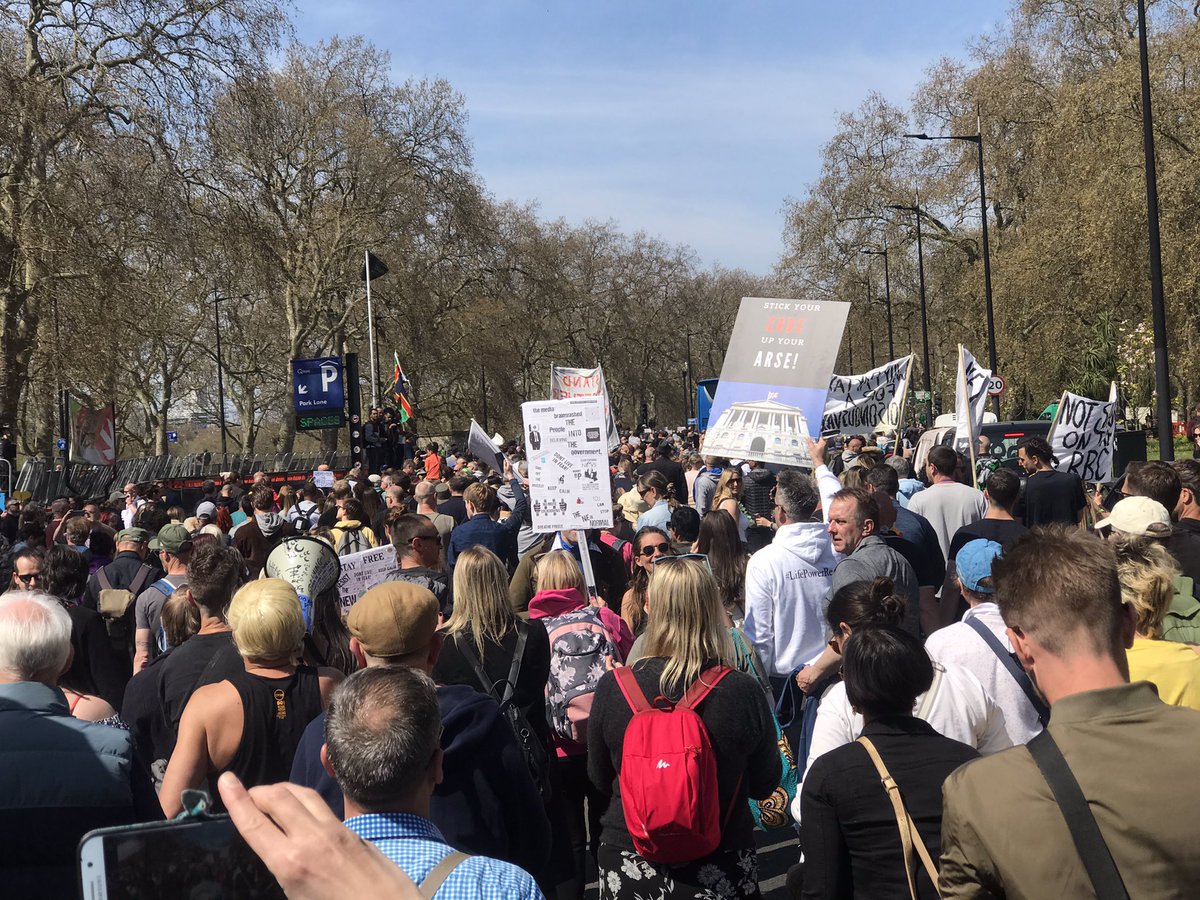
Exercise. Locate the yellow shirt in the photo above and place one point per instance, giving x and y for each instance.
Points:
(1171, 667)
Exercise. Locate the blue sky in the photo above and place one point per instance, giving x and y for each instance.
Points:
(691, 121)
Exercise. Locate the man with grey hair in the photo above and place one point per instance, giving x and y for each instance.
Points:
(382, 745)
(908, 484)
(425, 495)
(787, 582)
(60, 777)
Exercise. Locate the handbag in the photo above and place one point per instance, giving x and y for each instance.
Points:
(910, 839)
(775, 811)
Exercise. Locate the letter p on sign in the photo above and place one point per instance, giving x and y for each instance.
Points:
(329, 374)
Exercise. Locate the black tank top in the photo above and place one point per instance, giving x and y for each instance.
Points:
(275, 712)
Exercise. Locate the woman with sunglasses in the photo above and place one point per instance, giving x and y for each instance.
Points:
(655, 490)
(649, 544)
(686, 637)
(728, 499)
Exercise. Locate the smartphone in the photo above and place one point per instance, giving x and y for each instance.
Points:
(197, 857)
(829, 433)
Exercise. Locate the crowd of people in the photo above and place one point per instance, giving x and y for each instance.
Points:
(934, 690)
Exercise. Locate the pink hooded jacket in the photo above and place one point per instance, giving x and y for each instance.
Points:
(555, 603)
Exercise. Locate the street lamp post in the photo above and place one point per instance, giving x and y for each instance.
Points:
(1162, 381)
(871, 330)
(887, 295)
(977, 140)
(916, 211)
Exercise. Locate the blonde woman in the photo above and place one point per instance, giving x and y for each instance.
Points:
(251, 724)
(687, 637)
(1147, 573)
(484, 628)
(728, 499)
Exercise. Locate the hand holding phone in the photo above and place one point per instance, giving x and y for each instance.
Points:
(306, 847)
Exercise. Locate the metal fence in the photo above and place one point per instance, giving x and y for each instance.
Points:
(45, 481)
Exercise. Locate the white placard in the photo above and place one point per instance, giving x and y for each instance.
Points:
(362, 571)
(1084, 435)
(568, 464)
(323, 480)
(857, 404)
(566, 383)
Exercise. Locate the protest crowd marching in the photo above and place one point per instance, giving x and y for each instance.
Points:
(396, 686)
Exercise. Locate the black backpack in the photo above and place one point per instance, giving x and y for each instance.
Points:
(532, 748)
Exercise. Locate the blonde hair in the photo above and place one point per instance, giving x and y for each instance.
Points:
(480, 597)
(180, 617)
(724, 491)
(687, 622)
(266, 620)
(1147, 574)
(558, 571)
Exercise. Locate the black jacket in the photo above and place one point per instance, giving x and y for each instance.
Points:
(847, 824)
(756, 492)
(487, 803)
(673, 472)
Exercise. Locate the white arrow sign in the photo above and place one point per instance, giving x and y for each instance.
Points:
(302, 389)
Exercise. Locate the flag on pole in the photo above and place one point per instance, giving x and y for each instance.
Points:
(400, 390)
(373, 268)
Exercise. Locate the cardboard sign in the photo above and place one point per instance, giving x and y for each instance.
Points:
(1084, 435)
(775, 379)
(566, 383)
(482, 448)
(323, 480)
(362, 571)
(858, 404)
(568, 464)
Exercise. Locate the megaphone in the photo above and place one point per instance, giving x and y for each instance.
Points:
(309, 565)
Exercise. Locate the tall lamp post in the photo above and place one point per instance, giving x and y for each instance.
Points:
(916, 211)
(977, 140)
(887, 294)
(1162, 381)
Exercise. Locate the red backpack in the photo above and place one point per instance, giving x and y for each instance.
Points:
(669, 774)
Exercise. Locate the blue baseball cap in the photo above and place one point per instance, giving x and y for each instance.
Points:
(974, 563)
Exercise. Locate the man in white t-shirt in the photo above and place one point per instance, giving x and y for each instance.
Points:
(947, 504)
(964, 645)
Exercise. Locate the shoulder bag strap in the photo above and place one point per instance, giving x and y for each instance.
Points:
(140, 578)
(1014, 669)
(631, 689)
(440, 873)
(465, 648)
(699, 689)
(910, 838)
(102, 577)
(931, 694)
(1089, 842)
(518, 654)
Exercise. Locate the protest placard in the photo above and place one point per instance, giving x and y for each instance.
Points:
(568, 464)
(362, 571)
(861, 403)
(323, 480)
(482, 448)
(1084, 435)
(566, 383)
(775, 379)
(970, 399)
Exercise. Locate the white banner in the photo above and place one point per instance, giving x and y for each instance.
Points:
(362, 571)
(481, 447)
(1084, 435)
(858, 404)
(970, 399)
(567, 383)
(568, 464)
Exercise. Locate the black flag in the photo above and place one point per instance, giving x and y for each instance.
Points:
(375, 267)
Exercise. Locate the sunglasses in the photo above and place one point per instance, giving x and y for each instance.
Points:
(427, 537)
(700, 556)
(651, 549)
(25, 579)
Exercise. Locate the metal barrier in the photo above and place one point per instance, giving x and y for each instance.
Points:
(45, 482)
